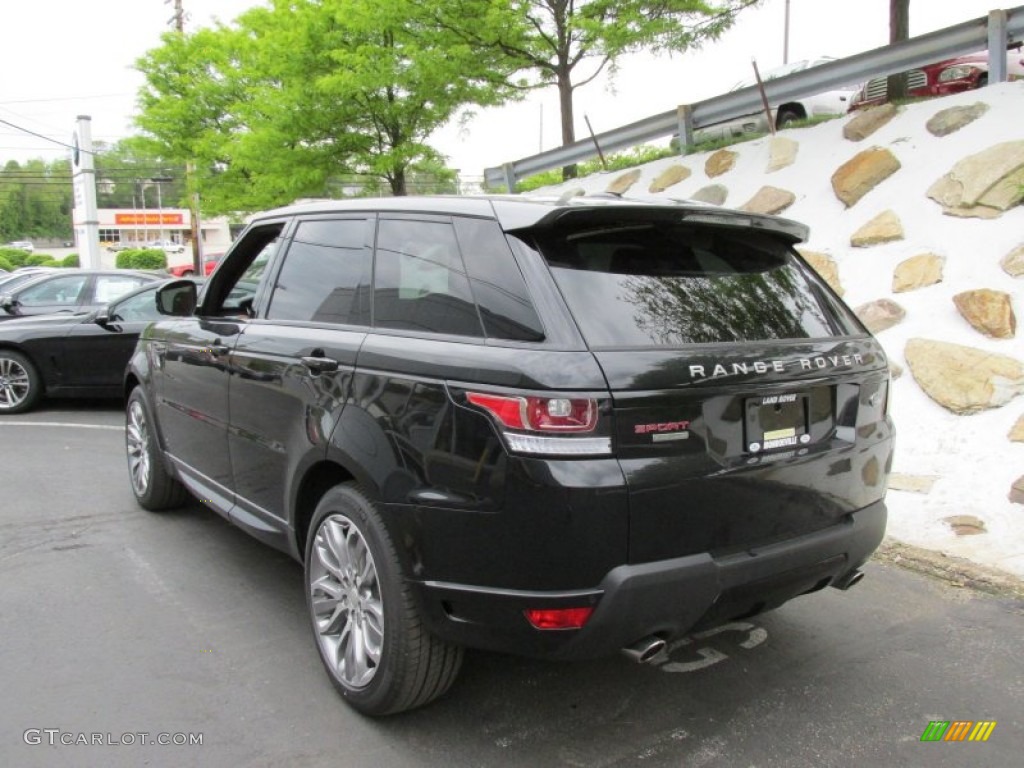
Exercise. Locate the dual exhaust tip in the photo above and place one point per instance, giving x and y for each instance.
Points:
(645, 650)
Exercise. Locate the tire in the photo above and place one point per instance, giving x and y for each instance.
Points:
(787, 116)
(153, 487)
(369, 634)
(188, 273)
(983, 80)
(20, 387)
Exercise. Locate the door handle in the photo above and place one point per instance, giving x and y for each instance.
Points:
(318, 365)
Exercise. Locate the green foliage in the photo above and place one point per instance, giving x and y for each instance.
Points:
(71, 260)
(5, 264)
(14, 256)
(35, 199)
(569, 44)
(141, 258)
(38, 260)
(299, 94)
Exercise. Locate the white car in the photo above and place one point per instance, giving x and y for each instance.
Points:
(167, 246)
(24, 245)
(835, 102)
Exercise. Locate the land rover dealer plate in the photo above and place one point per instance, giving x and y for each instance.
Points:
(776, 421)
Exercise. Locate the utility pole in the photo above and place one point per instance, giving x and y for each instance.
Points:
(178, 20)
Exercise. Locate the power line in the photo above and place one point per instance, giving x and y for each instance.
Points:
(44, 138)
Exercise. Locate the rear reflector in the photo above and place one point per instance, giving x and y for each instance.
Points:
(558, 618)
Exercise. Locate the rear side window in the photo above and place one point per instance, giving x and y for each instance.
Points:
(497, 283)
(326, 274)
(420, 282)
(664, 282)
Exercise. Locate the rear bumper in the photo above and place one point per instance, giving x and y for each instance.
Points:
(668, 598)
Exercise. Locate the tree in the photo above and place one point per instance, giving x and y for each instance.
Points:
(303, 94)
(899, 30)
(35, 199)
(568, 43)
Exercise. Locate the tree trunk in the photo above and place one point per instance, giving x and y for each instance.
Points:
(397, 181)
(899, 29)
(565, 107)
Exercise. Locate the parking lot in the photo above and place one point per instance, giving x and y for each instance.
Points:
(124, 627)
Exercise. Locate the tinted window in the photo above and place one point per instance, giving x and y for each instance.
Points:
(665, 283)
(497, 283)
(326, 274)
(420, 282)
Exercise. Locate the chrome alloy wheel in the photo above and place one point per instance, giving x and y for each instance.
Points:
(137, 429)
(15, 384)
(345, 601)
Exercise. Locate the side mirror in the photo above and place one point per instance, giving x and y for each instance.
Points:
(8, 302)
(177, 298)
(102, 318)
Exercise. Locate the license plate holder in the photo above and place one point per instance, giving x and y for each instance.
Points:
(776, 422)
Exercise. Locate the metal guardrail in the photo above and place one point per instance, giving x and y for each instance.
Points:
(993, 32)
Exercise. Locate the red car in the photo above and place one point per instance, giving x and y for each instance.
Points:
(964, 73)
(210, 262)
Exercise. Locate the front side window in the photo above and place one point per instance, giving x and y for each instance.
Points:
(420, 282)
(233, 290)
(326, 274)
(63, 291)
(137, 309)
(664, 282)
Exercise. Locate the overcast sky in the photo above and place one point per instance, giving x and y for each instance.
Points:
(62, 58)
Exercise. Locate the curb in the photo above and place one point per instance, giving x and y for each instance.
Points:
(954, 571)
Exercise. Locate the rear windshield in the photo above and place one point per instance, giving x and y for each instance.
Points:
(666, 283)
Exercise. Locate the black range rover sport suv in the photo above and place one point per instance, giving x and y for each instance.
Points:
(552, 428)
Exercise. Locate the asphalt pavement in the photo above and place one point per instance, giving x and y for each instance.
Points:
(123, 629)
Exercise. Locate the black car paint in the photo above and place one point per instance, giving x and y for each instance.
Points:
(78, 355)
(661, 537)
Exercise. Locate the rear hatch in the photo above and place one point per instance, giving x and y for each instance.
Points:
(749, 403)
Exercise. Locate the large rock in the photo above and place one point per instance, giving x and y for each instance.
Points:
(988, 311)
(963, 379)
(669, 177)
(622, 184)
(782, 152)
(1016, 494)
(983, 184)
(965, 525)
(879, 315)
(825, 266)
(720, 162)
(1017, 431)
(862, 173)
(917, 272)
(868, 121)
(884, 228)
(769, 200)
(713, 193)
(948, 121)
(1013, 262)
(912, 483)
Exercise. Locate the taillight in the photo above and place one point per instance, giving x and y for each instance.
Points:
(552, 425)
(558, 618)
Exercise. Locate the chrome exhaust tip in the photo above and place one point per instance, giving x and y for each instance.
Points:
(848, 580)
(643, 651)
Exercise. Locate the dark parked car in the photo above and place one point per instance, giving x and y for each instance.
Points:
(74, 291)
(558, 429)
(72, 355)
